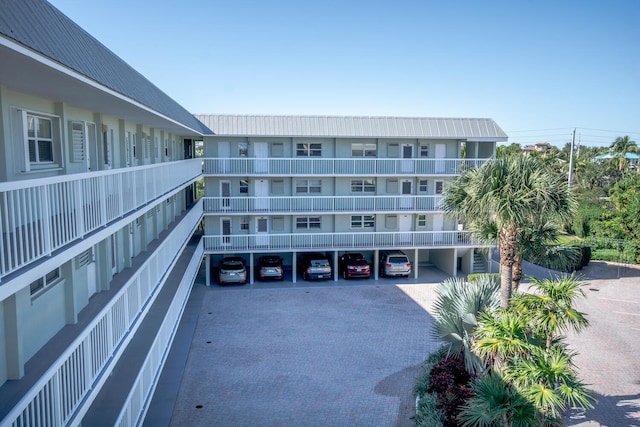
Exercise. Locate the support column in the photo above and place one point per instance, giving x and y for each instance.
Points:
(294, 267)
(251, 269)
(207, 267)
(335, 266)
(415, 263)
(376, 264)
(13, 333)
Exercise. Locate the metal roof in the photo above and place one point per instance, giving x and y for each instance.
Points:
(350, 126)
(41, 28)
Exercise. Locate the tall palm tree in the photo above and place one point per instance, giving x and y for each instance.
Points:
(456, 311)
(509, 193)
(623, 145)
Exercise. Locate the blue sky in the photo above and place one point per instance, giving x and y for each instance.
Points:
(538, 68)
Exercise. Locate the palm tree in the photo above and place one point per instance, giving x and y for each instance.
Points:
(623, 145)
(548, 380)
(496, 403)
(509, 193)
(551, 308)
(456, 309)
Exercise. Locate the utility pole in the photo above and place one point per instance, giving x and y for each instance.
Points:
(573, 140)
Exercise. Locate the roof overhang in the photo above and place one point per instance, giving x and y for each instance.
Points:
(26, 71)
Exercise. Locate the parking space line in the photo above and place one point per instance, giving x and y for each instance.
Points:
(630, 314)
(622, 300)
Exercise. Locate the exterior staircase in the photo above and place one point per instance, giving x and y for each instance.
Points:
(479, 263)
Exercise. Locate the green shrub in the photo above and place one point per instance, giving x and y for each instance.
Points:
(427, 412)
(475, 276)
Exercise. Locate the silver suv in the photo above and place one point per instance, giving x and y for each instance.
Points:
(394, 263)
(232, 270)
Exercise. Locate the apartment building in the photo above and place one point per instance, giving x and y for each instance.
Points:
(97, 214)
(293, 184)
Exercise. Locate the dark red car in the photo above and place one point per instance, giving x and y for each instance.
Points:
(354, 264)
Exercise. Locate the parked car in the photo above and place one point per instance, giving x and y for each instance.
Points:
(270, 267)
(394, 263)
(232, 270)
(354, 264)
(314, 266)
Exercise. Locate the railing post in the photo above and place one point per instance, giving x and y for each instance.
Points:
(46, 220)
(79, 208)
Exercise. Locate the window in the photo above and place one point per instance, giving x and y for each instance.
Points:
(243, 149)
(244, 223)
(439, 186)
(308, 186)
(392, 186)
(277, 149)
(107, 137)
(277, 186)
(45, 282)
(359, 149)
(424, 151)
(363, 185)
(423, 184)
(166, 147)
(244, 186)
(303, 223)
(308, 150)
(39, 138)
(363, 221)
(391, 222)
(422, 220)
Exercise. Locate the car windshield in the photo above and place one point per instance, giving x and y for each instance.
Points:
(319, 263)
(232, 266)
(270, 262)
(359, 261)
(398, 260)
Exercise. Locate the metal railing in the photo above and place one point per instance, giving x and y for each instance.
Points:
(336, 167)
(139, 398)
(318, 204)
(42, 215)
(67, 389)
(336, 241)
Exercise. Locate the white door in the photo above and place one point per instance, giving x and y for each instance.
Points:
(406, 201)
(438, 189)
(404, 226)
(438, 226)
(441, 153)
(225, 231)
(261, 191)
(262, 231)
(407, 153)
(261, 153)
(224, 153)
(225, 195)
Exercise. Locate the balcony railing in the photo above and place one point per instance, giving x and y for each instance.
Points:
(336, 241)
(42, 215)
(69, 386)
(337, 167)
(319, 204)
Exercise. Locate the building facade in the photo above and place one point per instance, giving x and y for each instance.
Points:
(295, 184)
(97, 210)
(100, 224)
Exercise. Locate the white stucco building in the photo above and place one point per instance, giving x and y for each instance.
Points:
(100, 225)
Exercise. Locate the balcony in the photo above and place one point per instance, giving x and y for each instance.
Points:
(337, 241)
(40, 216)
(320, 204)
(317, 166)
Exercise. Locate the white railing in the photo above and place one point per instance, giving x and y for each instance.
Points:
(68, 387)
(139, 398)
(337, 167)
(328, 204)
(42, 215)
(337, 241)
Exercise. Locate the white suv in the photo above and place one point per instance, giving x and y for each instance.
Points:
(394, 263)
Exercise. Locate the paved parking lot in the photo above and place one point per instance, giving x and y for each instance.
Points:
(336, 354)
(310, 355)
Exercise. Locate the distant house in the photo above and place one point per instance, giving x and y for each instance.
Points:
(541, 147)
(632, 158)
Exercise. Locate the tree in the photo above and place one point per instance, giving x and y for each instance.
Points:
(456, 311)
(508, 195)
(623, 145)
(551, 307)
(508, 150)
